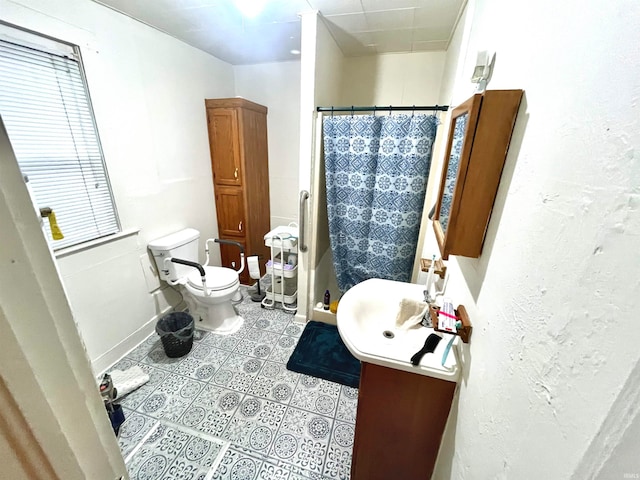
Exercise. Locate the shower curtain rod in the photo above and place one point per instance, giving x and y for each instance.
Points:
(388, 108)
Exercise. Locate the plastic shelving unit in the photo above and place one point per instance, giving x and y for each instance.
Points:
(283, 268)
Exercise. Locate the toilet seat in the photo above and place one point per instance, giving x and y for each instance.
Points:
(217, 278)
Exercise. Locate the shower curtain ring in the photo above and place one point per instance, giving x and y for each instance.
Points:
(413, 112)
(352, 110)
(332, 111)
(390, 109)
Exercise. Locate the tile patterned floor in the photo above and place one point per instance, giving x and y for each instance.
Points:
(281, 425)
(175, 451)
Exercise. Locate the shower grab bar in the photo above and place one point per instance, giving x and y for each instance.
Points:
(304, 195)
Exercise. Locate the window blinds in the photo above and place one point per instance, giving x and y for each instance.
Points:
(46, 110)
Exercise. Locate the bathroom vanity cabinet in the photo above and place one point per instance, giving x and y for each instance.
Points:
(477, 146)
(239, 162)
(399, 424)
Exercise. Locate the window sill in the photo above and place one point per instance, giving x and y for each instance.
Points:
(63, 252)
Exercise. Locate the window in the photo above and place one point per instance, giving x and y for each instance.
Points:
(45, 106)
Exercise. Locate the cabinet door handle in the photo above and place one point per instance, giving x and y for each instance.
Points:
(235, 173)
(240, 226)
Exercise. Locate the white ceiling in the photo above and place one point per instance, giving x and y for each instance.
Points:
(360, 27)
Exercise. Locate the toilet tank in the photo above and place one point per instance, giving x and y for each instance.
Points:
(182, 244)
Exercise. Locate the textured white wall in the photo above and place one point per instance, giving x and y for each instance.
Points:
(148, 92)
(277, 86)
(554, 296)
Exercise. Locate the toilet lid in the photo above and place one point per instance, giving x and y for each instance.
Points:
(218, 278)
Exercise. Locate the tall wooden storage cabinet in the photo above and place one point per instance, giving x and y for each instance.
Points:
(239, 161)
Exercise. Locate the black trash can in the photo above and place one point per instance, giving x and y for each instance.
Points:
(176, 332)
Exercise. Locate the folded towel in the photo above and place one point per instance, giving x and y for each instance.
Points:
(126, 381)
(411, 313)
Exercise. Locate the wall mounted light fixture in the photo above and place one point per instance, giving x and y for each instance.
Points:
(483, 69)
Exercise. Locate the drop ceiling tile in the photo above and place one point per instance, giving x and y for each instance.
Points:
(431, 33)
(217, 27)
(186, 4)
(160, 18)
(281, 11)
(352, 44)
(374, 5)
(196, 37)
(438, 5)
(364, 38)
(173, 24)
(392, 41)
(214, 17)
(434, 46)
(350, 22)
(390, 19)
(336, 7)
(145, 10)
(270, 44)
(438, 13)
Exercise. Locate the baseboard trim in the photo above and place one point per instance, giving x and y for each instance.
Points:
(104, 361)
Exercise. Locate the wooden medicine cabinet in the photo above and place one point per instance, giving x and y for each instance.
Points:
(477, 146)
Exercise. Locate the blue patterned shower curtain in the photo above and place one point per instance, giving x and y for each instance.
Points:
(376, 170)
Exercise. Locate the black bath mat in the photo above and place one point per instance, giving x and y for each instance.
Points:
(321, 353)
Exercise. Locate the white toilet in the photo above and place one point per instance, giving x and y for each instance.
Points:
(210, 306)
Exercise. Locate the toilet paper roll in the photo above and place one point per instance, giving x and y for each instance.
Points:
(254, 267)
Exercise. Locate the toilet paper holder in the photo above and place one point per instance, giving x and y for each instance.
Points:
(253, 265)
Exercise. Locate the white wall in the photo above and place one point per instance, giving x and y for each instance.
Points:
(320, 77)
(277, 87)
(554, 296)
(329, 67)
(393, 79)
(148, 93)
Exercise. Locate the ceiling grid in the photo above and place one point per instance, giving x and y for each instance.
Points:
(359, 27)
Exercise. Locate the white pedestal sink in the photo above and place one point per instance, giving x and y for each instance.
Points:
(367, 318)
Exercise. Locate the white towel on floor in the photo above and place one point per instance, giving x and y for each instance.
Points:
(411, 313)
(126, 381)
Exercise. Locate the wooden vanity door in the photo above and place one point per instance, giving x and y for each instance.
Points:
(399, 424)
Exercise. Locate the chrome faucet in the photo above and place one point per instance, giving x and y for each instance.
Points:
(427, 297)
(427, 294)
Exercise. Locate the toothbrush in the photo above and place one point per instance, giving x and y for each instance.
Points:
(448, 347)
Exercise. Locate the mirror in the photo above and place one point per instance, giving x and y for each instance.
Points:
(479, 136)
(460, 125)
(461, 131)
